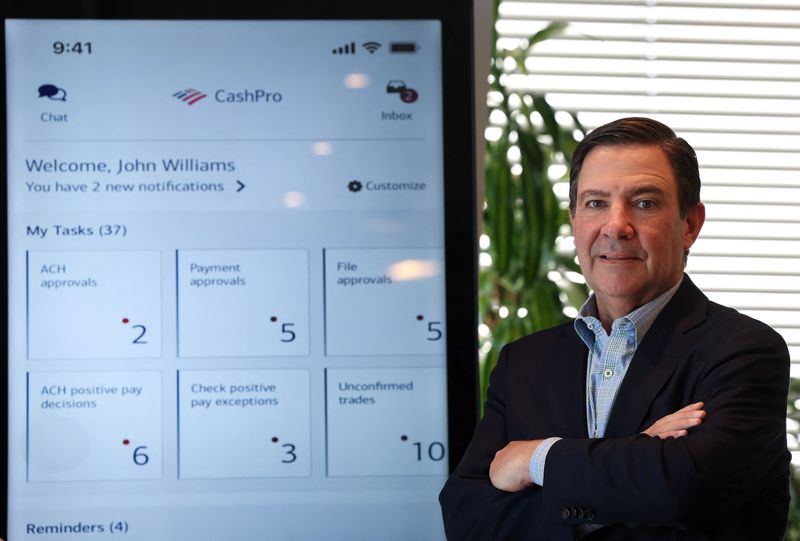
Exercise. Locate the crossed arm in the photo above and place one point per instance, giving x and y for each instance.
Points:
(510, 469)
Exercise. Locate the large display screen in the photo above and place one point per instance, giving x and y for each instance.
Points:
(226, 279)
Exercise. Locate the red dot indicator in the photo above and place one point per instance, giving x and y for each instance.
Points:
(125, 320)
(126, 441)
(273, 319)
(404, 438)
(420, 317)
(275, 439)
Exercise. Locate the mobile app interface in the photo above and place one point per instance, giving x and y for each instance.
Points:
(226, 280)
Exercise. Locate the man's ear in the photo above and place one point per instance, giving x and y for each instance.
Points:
(694, 221)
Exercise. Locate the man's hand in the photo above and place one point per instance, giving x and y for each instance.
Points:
(510, 469)
(676, 425)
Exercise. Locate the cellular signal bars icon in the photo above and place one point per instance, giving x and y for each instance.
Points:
(190, 96)
(347, 48)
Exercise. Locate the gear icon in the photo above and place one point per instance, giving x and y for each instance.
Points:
(354, 186)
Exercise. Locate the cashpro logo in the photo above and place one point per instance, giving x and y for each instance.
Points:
(189, 96)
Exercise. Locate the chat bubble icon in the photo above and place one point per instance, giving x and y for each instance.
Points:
(52, 92)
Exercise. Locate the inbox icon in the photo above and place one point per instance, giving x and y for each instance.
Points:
(407, 95)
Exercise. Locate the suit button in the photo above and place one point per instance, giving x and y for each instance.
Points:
(565, 513)
(580, 513)
(589, 514)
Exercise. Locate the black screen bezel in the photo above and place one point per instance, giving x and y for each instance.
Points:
(456, 17)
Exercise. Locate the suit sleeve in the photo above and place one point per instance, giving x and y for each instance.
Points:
(736, 457)
(472, 508)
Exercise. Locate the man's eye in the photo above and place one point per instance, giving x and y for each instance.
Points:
(594, 204)
(646, 204)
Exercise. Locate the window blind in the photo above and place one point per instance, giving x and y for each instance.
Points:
(726, 76)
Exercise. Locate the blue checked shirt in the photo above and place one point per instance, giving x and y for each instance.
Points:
(609, 359)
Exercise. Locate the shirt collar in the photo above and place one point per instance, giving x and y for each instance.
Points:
(641, 317)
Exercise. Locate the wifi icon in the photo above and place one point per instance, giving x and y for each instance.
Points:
(371, 46)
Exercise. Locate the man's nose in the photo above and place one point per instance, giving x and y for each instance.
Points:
(618, 224)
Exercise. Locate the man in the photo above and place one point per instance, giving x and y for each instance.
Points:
(657, 414)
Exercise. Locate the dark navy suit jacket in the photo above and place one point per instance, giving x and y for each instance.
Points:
(727, 479)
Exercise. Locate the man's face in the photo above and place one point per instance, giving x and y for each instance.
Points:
(629, 234)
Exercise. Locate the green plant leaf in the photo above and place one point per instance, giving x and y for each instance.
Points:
(552, 29)
(523, 216)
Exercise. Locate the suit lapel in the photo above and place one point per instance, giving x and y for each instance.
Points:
(656, 358)
(566, 385)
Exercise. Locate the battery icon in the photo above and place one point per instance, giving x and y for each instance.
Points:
(403, 47)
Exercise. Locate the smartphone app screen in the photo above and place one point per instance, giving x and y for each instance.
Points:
(226, 280)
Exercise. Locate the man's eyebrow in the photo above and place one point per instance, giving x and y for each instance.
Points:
(637, 191)
(646, 190)
(593, 193)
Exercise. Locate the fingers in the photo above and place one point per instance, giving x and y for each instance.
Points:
(681, 420)
(691, 407)
(676, 425)
(675, 428)
(672, 434)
